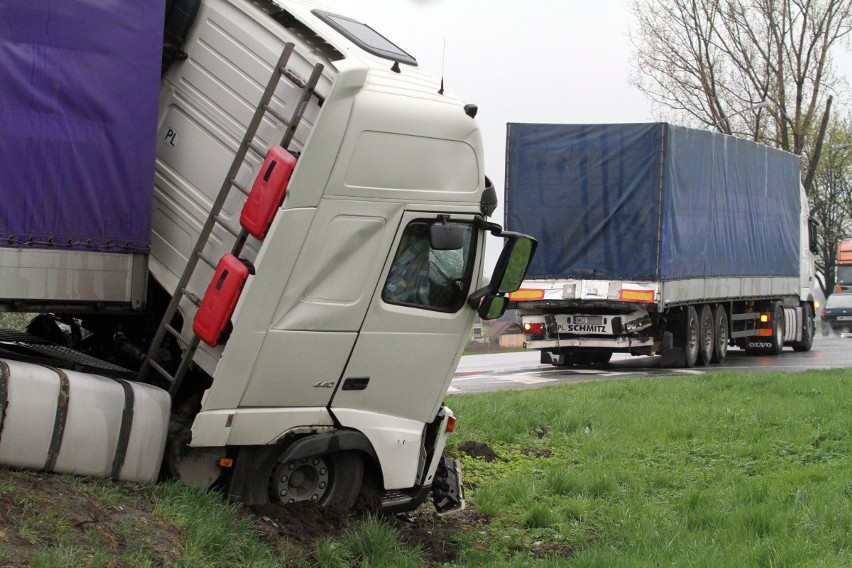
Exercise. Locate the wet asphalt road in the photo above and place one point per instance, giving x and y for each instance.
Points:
(504, 371)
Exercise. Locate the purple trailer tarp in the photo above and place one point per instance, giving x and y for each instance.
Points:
(78, 118)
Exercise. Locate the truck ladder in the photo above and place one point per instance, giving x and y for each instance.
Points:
(165, 327)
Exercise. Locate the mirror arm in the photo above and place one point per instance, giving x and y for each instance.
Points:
(492, 228)
(474, 299)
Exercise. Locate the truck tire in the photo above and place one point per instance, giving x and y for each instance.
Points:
(778, 327)
(329, 480)
(690, 337)
(706, 335)
(807, 329)
(720, 344)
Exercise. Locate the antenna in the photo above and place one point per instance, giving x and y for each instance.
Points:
(443, 54)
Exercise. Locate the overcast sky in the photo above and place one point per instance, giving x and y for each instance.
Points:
(561, 61)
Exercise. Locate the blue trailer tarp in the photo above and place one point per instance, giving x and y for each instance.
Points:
(78, 119)
(649, 202)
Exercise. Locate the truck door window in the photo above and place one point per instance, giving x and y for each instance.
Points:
(423, 277)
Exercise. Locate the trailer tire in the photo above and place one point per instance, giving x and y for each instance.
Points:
(807, 329)
(720, 343)
(690, 337)
(706, 335)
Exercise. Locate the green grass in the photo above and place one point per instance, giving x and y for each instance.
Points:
(709, 471)
(717, 470)
(15, 320)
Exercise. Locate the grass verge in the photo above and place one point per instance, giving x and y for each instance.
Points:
(713, 470)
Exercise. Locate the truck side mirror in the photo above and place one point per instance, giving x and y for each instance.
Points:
(513, 263)
(812, 236)
(492, 307)
(490, 301)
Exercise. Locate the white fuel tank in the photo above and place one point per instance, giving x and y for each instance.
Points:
(64, 421)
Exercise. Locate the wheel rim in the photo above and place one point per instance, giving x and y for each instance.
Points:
(303, 479)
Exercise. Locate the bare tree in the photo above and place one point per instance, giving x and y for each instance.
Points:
(708, 62)
(758, 69)
(831, 202)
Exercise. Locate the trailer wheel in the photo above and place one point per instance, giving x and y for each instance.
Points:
(807, 329)
(720, 325)
(690, 337)
(706, 335)
(330, 480)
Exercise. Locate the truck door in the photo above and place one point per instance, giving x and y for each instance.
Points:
(410, 341)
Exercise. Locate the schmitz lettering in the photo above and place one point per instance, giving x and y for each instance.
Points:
(583, 328)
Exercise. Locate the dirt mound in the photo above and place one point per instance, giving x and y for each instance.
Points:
(302, 523)
(306, 525)
(479, 450)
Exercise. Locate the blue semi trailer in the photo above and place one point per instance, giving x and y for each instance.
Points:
(658, 239)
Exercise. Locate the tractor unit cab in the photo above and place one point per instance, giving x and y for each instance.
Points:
(317, 238)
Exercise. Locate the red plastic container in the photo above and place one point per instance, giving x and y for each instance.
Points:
(267, 192)
(220, 299)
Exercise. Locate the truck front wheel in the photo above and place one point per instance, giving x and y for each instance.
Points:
(778, 327)
(330, 480)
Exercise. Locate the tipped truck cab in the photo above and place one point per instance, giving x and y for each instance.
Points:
(322, 375)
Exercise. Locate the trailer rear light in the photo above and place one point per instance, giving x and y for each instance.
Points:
(526, 294)
(764, 318)
(451, 425)
(534, 328)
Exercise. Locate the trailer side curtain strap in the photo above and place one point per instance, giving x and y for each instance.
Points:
(124, 430)
(59, 421)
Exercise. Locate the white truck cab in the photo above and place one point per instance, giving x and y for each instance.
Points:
(337, 345)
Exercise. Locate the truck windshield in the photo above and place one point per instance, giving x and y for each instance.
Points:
(423, 277)
(844, 274)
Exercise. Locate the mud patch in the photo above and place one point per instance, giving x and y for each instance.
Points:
(537, 452)
(302, 523)
(478, 450)
(437, 537)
